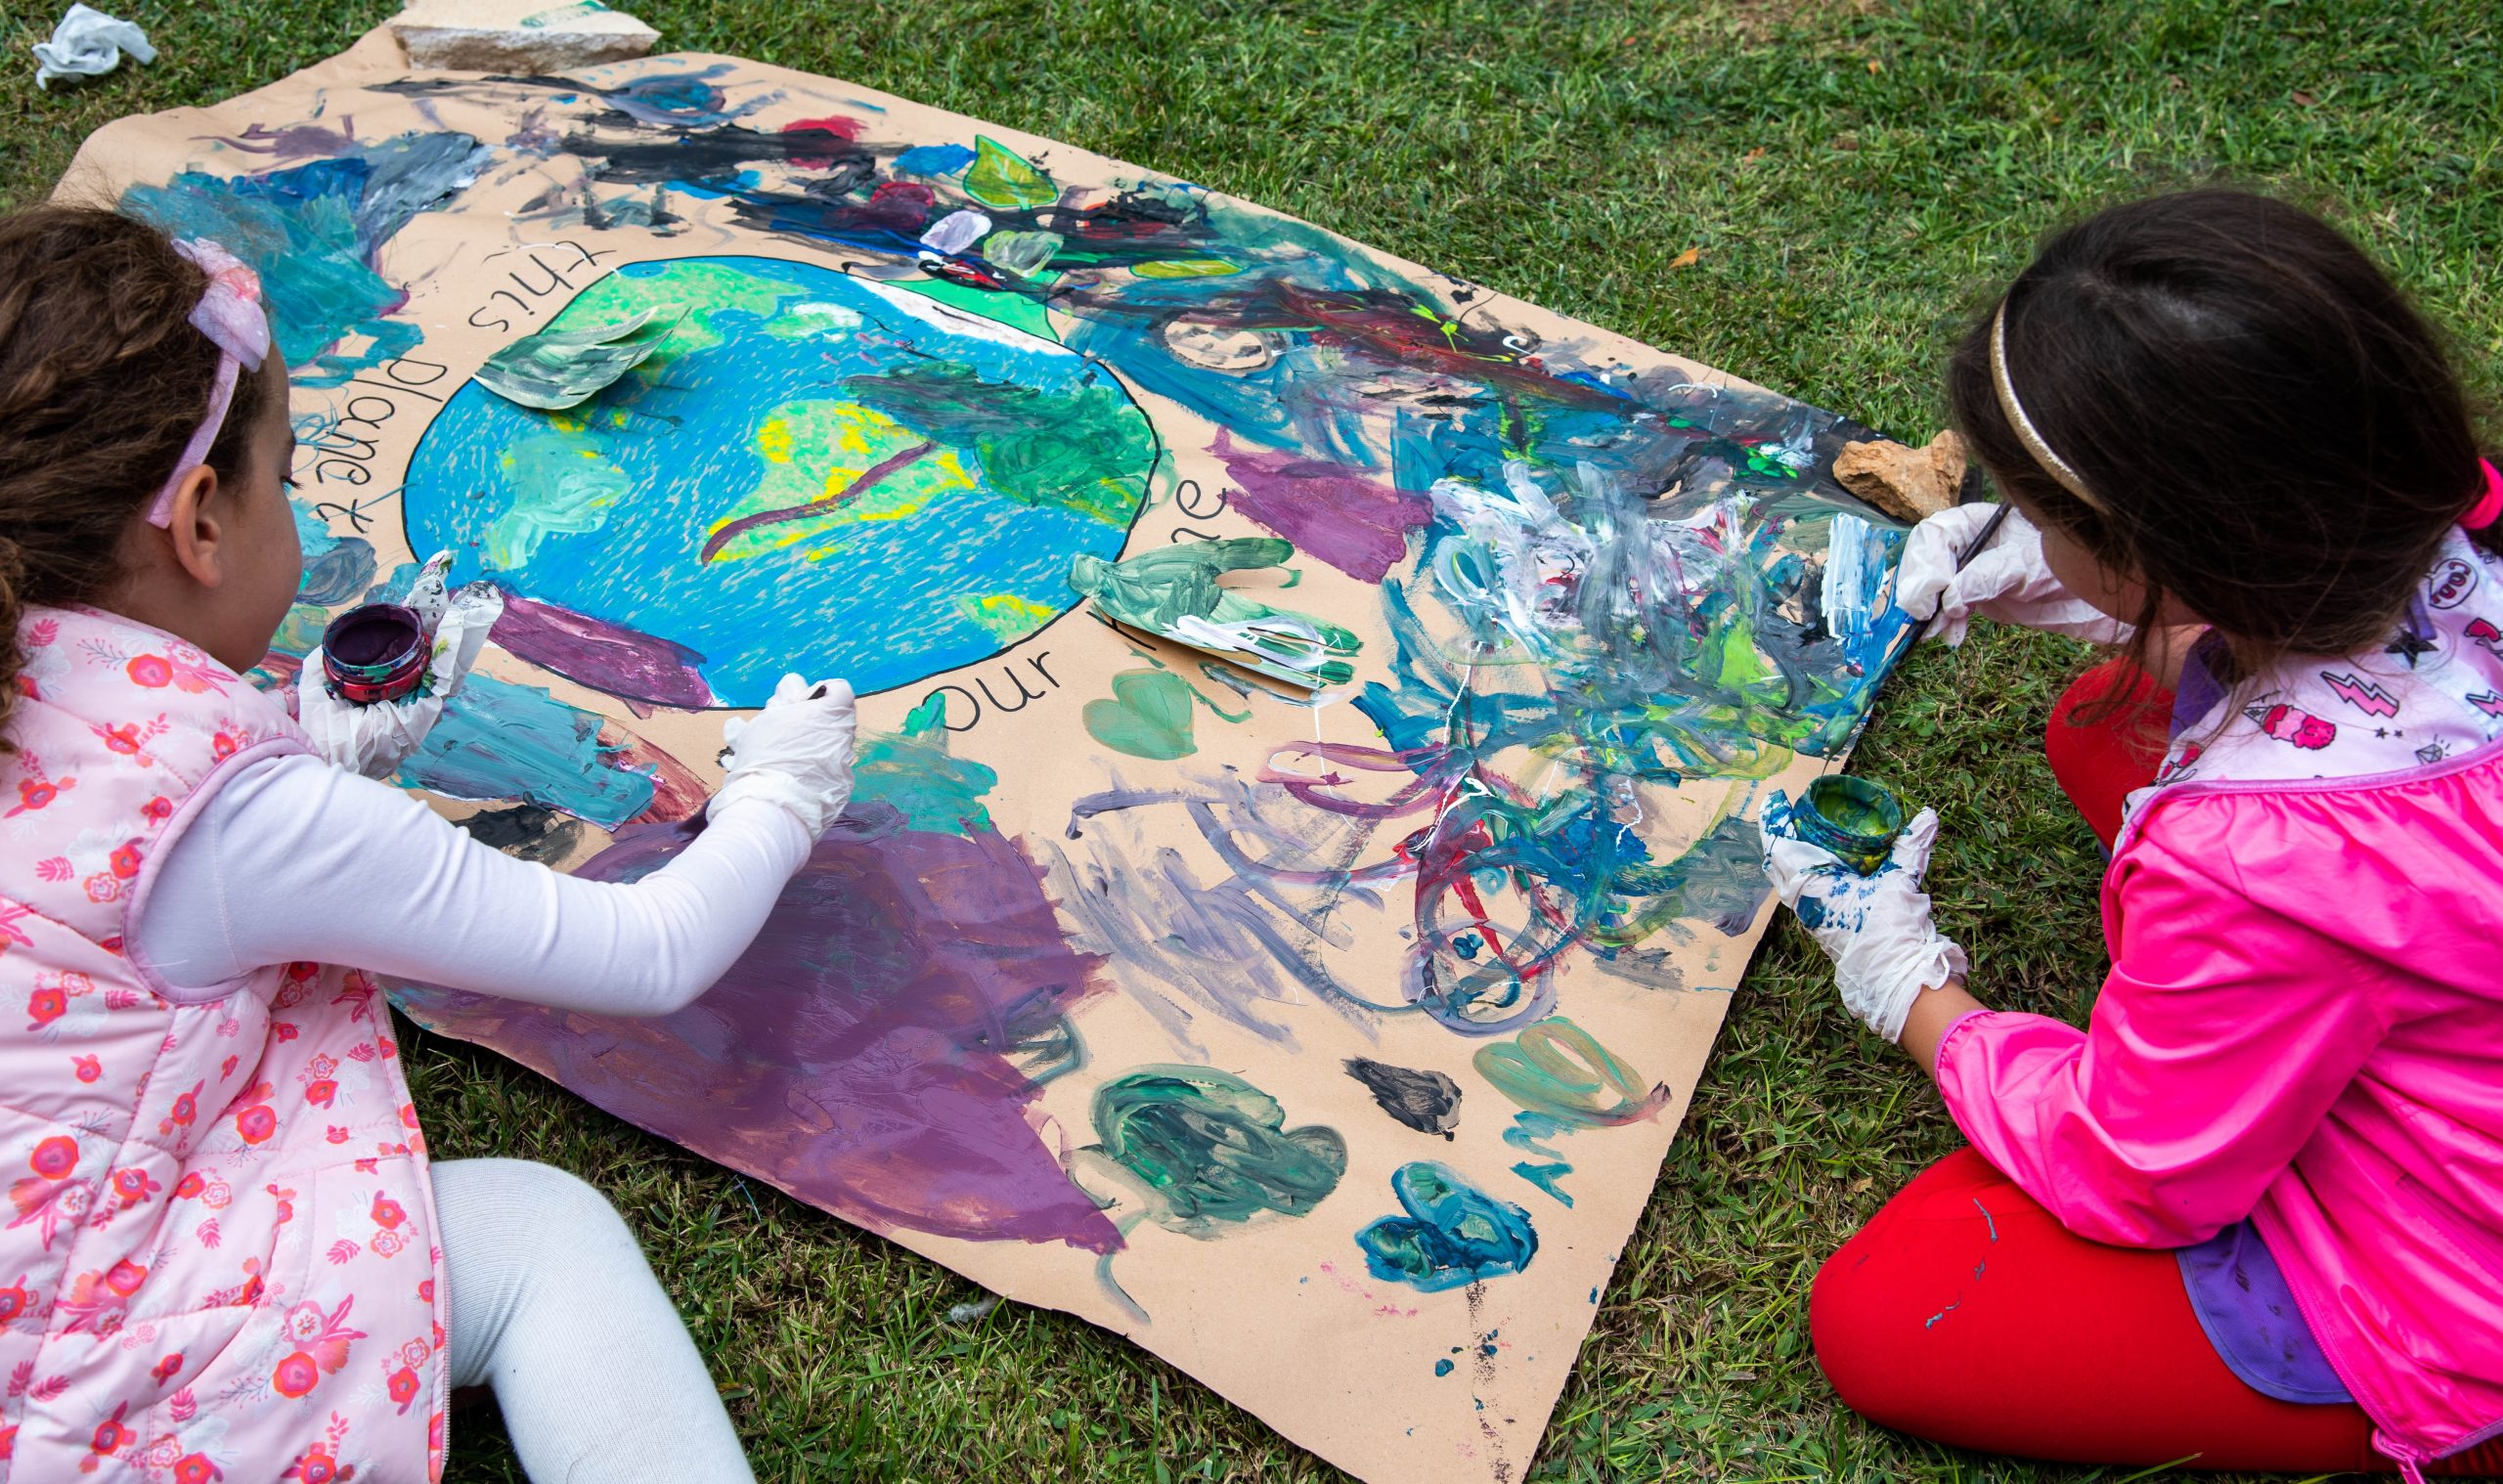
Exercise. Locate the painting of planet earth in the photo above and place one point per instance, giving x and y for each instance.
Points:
(813, 470)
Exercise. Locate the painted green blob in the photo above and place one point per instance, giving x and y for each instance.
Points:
(1557, 1068)
(557, 369)
(1015, 310)
(1003, 181)
(912, 771)
(1184, 268)
(1149, 716)
(1023, 253)
(561, 486)
(1209, 1150)
(1079, 450)
(1157, 590)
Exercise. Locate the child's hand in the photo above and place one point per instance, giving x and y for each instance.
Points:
(2007, 581)
(376, 739)
(794, 753)
(1876, 927)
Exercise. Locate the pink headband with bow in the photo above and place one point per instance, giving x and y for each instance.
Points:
(230, 314)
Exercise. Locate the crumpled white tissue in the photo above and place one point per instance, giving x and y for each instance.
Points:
(88, 43)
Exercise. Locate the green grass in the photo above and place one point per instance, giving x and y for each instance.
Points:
(1857, 178)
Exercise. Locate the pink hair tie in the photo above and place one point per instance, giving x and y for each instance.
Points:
(230, 314)
(2490, 505)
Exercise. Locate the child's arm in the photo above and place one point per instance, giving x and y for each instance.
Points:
(294, 859)
(1933, 1014)
(2007, 582)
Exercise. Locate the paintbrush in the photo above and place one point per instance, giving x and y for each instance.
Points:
(1981, 542)
(1964, 558)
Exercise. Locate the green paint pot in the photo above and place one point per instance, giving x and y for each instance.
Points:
(1856, 819)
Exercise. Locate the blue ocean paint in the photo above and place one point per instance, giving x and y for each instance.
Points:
(698, 511)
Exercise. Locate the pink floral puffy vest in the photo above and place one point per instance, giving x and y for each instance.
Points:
(217, 1253)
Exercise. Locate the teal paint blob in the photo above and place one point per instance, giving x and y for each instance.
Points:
(913, 773)
(1210, 1150)
(1452, 1233)
(1546, 1177)
(315, 233)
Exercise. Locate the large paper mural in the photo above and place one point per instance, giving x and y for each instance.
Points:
(1318, 1020)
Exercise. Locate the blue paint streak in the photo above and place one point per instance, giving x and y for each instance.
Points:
(1546, 1177)
(497, 740)
(933, 160)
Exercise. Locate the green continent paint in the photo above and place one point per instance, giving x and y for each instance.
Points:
(1856, 819)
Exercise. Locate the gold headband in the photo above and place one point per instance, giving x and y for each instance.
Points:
(2053, 464)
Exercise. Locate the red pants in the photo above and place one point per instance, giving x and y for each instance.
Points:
(1965, 1313)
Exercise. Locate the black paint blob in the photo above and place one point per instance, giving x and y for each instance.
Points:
(1425, 1101)
(525, 830)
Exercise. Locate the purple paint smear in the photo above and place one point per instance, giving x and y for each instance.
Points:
(1329, 510)
(863, 1054)
(626, 662)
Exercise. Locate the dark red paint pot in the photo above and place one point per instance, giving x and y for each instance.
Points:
(374, 653)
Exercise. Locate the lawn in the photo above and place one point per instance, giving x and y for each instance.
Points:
(1845, 183)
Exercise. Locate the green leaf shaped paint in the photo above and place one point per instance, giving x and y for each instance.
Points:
(1002, 180)
(1149, 716)
(560, 369)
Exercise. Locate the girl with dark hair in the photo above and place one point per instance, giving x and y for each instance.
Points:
(2250, 1216)
(226, 1254)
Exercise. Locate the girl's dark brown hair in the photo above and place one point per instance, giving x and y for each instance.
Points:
(103, 380)
(2276, 434)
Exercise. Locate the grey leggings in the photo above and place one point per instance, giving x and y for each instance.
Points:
(553, 1306)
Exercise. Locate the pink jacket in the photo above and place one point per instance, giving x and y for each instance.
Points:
(2304, 1020)
(217, 1258)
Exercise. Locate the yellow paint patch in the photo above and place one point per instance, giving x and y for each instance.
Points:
(1007, 617)
(774, 440)
(1185, 268)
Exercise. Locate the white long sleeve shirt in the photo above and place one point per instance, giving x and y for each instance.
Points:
(295, 860)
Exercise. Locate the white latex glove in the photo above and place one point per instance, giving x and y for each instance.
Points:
(2007, 581)
(794, 753)
(376, 739)
(1876, 927)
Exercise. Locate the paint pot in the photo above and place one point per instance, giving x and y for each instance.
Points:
(1856, 819)
(374, 653)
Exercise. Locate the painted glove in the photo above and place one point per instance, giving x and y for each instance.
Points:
(795, 753)
(2007, 581)
(375, 739)
(1876, 927)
